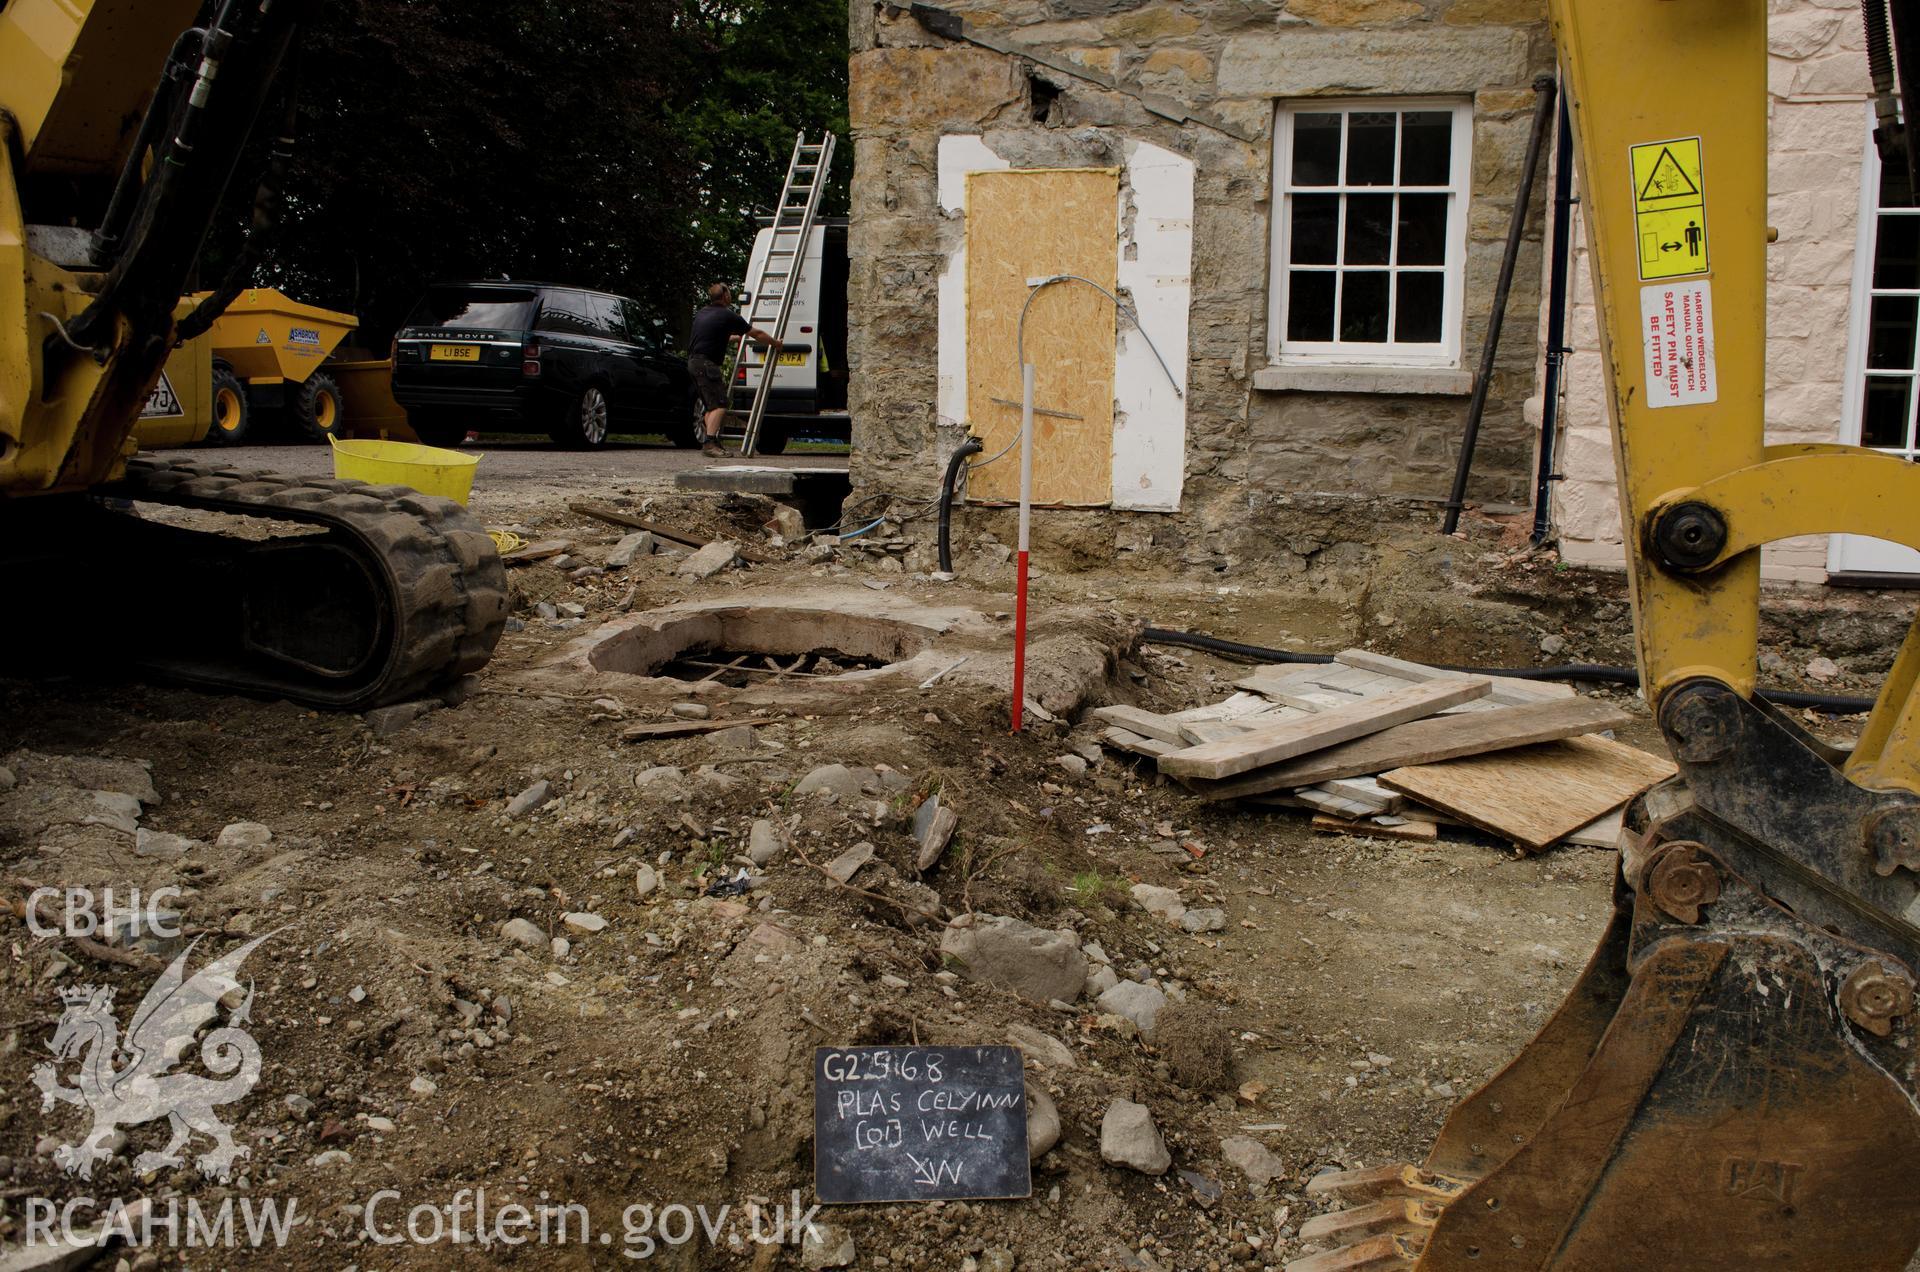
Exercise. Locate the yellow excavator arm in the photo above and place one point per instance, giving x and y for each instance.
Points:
(121, 128)
(1731, 1083)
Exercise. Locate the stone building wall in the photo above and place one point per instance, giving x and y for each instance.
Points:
(1817, 85)
(1105, 75)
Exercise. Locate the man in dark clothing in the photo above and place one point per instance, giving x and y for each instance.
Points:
(715, 325)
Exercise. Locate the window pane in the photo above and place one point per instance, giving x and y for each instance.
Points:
(1369, 229)
(1316, 229)
(1363, 307)
(1310, 305)
(1416, 315)
(1896, 257)
(1316, 149)
(1370, 147)
(1426, 147)
(1423, 229)
(1890, 333)
(1884, 423)
(1893, 186)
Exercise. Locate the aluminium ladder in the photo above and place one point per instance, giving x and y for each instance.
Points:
(777, 283)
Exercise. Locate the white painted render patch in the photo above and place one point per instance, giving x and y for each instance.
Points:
(1155, 258)
(960, 153)
(1156, 273)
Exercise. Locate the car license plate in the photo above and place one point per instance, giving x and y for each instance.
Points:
(454, 353)
(793, 359)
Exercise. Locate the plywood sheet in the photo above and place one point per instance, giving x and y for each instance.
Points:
(1030, 223)
(1535, 795)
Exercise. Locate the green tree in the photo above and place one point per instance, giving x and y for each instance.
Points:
(768, 69)
(620, 144)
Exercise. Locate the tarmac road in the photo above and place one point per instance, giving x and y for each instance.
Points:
(513, 474)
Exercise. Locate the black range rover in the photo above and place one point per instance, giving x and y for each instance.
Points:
(507, 356)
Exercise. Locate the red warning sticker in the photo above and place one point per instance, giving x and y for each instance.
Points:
(1676, 333)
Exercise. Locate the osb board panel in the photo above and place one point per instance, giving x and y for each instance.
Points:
(1535, 795)
(1030, 223)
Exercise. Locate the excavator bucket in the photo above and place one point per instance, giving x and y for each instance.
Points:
(1726, 1086)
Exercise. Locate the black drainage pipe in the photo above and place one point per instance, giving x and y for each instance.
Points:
(1557, 350)
(972, 446)
(1516, 232)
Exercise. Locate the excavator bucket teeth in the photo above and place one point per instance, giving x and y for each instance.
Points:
(1373, 1183)
(1375, 1254)
(1382, 1218)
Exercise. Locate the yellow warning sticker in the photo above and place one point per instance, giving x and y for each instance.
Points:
(1670, 208)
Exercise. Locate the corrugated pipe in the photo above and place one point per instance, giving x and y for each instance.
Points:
(1589, 673)
(955, 464)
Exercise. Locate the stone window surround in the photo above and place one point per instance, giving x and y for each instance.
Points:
(1368, 378)
(1399, 369)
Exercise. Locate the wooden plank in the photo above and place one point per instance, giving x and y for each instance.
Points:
(687, 728)
(1127, 740)
(1539, 794)
(1145, 723)
(1202, 731)
(1333, 805)
(1240, 704)
(1507, 691)
(1365, 790)
(1295, 737)
(1408, 829)
(1426, 742)
(1031, 223)
(1602, 832)
(603, 512)
(1359, 681)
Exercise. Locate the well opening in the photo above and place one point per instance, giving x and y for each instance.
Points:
(759, 644)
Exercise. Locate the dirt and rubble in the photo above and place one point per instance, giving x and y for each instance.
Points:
(492, 960)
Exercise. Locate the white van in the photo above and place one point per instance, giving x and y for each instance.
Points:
(809, 398)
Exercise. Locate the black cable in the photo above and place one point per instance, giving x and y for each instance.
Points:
(1589, 673)
(955, 464)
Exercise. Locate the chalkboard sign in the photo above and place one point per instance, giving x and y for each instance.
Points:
(919, 1124)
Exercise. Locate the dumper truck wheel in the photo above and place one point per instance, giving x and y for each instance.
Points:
(318, 408)
(232, 414)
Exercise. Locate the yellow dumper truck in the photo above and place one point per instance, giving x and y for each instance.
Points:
(266, 356)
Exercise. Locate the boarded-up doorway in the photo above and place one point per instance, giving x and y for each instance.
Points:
(1033, 223)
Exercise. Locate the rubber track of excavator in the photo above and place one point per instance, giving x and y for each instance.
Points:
(448, 586)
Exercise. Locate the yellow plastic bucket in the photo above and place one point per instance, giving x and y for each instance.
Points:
(428, 469)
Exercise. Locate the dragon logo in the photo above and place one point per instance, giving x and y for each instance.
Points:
(126, 1082)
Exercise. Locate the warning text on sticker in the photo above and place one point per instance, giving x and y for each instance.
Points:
(1677, 331)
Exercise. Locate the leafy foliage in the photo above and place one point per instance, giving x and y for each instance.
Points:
(618, 144)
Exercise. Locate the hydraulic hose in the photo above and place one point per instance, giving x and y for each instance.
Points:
(955, 464)
(1588, 673)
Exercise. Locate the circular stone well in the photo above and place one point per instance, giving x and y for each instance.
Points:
(874, 632)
